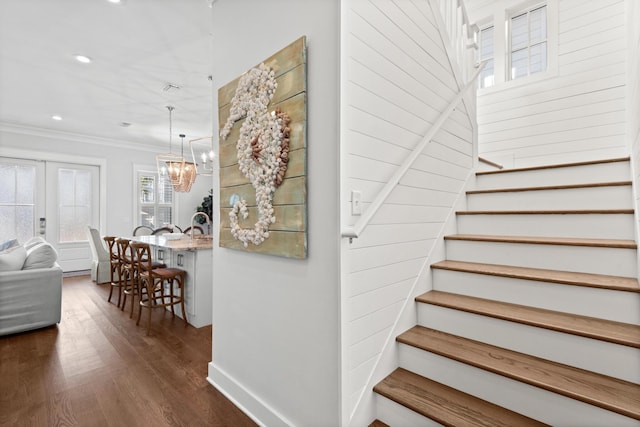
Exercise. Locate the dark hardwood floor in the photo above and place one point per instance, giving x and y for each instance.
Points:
(97, 368)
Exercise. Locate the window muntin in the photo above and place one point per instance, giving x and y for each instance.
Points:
(74, 204)
(155, 200)
(528, 42)
(17, 201)
(487, 77)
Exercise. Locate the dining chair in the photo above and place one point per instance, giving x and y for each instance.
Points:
(196, 229)
(142, 230)
(100, 263)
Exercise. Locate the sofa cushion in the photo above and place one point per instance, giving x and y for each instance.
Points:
(13, 258)
(33, 241)
(41, 255)
(8, 244)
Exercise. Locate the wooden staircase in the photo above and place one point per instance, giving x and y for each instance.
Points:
(534, 317)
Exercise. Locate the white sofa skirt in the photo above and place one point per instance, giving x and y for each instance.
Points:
(30, 299)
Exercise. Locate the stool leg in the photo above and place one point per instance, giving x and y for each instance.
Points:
(184, 312)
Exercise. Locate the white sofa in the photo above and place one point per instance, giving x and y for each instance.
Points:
(31, 296)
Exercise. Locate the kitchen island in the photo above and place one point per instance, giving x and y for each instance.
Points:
(195, 257)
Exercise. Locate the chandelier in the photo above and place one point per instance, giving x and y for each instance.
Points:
(180, 173)
(186, 172)
(202, 155)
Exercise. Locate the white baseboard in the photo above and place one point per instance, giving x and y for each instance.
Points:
(245, 400)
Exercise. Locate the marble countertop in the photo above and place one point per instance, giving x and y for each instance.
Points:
(183, 243)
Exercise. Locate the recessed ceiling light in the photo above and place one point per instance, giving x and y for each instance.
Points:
(83, 59)
(114, 1)
(56, 117)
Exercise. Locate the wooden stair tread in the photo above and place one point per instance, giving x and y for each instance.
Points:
(591, 327)
(555, 166)
(563, 241)
(378, 423)
(550, 212)
(552, 187)
(610, 393)
(627, 284)
(444, 404)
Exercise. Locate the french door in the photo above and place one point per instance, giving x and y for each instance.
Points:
(72, 204)
(54, 200)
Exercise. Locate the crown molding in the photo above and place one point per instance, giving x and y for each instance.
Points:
(76, 137)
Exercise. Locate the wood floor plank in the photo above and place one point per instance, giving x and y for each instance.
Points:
(626, 284)
(606, 392)
(591, 327)
(446, 405)
(560, 241)
(98, 368)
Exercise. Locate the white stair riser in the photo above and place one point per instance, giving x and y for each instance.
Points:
(594, 302)
(617, 197)
(394, 414)
(599, 226)
(590, 174)
(605, 358)
(542, 405)
(595, 260)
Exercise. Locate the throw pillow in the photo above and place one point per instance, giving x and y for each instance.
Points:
(8, 244)
(42, 255)
(13, 258)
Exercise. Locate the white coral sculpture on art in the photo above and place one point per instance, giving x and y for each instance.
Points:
(262, 150)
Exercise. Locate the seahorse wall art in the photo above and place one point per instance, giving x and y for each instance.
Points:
(262, 115)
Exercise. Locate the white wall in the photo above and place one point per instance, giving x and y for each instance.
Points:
(633, 95)
(396, 81)
(276, 335)
(118, 157)
(575, 110)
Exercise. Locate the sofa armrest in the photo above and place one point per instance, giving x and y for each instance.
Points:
(30, 299)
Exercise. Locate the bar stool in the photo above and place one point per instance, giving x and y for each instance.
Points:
(129, 271)
(114, 261)
(157, 285)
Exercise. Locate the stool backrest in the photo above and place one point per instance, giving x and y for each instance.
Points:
(142, 256)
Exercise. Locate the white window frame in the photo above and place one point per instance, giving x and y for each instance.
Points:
(499, 14)
(527, 11)
(481, 84)
(142, 170)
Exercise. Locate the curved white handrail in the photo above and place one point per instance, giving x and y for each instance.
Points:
(356, 229)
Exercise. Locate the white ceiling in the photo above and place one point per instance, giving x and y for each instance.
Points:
(137, 47)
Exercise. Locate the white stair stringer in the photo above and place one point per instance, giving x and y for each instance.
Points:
(534, 402)
(606, 358)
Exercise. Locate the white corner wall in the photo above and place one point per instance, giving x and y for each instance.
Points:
(396, 81)
(276, 334)
(575, 110)
(633, 95)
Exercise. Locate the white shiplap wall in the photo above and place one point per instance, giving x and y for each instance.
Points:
(633, 100)
(576, 110)
(396, 80)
